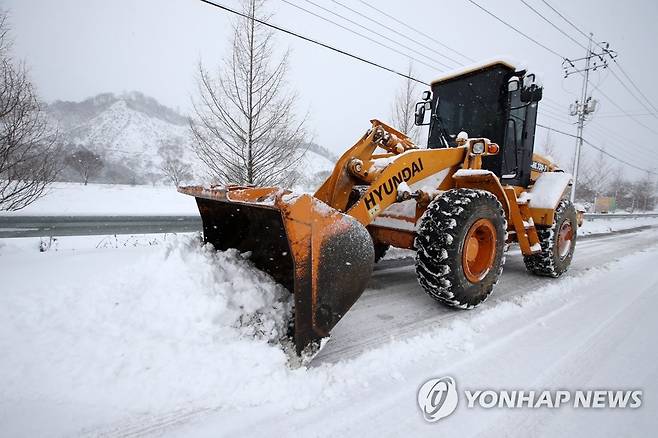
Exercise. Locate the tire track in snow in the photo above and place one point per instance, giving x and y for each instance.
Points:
(395, 307)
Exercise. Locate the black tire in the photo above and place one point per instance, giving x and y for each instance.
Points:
(440, 242)
(551, 262)
(380, 250)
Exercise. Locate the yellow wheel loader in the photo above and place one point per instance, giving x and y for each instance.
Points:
(458, 203)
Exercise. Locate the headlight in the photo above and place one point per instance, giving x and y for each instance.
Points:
(478, 147)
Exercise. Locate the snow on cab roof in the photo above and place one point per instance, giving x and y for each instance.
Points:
(474, 67)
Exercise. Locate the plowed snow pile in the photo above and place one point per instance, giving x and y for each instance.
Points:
(180, 325)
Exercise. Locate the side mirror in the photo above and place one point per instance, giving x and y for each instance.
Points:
(419, 115)
(513, 85)
(427, 95)
(533, 93)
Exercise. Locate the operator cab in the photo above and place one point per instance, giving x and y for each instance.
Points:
(493, 100)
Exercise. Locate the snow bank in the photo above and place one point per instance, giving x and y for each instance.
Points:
(603, 226)
(66, 199)
(101, 335)
(22, 245)
(166, 325)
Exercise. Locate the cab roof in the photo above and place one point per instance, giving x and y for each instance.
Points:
(473, 68)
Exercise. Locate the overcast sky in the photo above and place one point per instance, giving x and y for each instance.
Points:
(79, 48)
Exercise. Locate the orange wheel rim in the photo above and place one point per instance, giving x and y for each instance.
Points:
(479, 250)
(564, 239)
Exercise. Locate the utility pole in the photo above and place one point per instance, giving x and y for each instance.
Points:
(593, 60)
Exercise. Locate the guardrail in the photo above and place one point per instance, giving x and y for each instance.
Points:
(37, 226)
(618, 215)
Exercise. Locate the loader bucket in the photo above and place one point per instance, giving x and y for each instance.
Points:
(321, 255)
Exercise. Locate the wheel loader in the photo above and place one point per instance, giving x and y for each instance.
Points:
(458, 203)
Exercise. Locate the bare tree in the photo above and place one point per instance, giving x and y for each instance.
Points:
(617, 183)
(85, 162)
(172, 165)
(644, 192)
(244, 126)
(153, 177)
(548, 148)
(176, 170)
(600, 169)
(404, 105)
(28, 151)
(586, 180)
(593, 177)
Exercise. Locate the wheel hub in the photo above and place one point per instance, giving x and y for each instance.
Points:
(479, 250)
(564, 239)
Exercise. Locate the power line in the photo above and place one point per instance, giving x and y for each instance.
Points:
(557, 105)
(551, 111)
(551, 119)
(541, 115)
(416, 30)
(559, 29)
(596, 87)
(537, 42)
(557, 54)
(612, 116)
(425, 46)
(613, 102)
(621, 145)
(554, 105)
(374, 64)
(653, 109)
(567, 20)
(328, 20)
(366, 28)
(605, 49)
(518, 31)
(554, 116)
(621, 69)
(620, 138)
(556, 130)
(310, 40)
(603, 151)
(623, 110)
(593, 146)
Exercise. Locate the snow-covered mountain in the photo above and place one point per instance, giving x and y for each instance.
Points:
(128, 130)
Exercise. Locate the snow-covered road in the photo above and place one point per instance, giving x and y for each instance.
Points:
(171, 372)
(394, 305)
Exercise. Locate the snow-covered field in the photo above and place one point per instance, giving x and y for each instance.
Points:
(76, 199)
(175, 339)
(73, 199)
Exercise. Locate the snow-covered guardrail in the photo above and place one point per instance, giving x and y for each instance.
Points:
(36, 226)
(592, 216)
